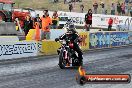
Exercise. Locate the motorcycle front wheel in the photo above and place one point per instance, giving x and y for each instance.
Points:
(61, 58)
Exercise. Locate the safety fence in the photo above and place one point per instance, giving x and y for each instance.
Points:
(91, 40)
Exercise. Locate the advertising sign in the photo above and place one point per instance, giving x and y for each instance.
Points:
(109, 39)
(98, 20)
(130, 37)
(85, 40)
(11, 50)
(99, 40)
(118, 38)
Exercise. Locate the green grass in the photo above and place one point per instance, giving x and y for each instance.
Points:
(46, 4)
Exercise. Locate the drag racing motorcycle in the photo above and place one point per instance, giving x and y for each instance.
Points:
(67, 56)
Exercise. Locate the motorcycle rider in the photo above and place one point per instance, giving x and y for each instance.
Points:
(73, 36)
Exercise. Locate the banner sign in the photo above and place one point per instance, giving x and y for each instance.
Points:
(124, 22)
(85, 40)
(108, 39)
(98, 20)
(77, 18)
(11, 50)
(130, 37)
(118, 38)
(101, 21)
(99, 40)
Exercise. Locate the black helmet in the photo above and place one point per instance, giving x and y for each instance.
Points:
(71, 26)
(71, 29)
(69, 20)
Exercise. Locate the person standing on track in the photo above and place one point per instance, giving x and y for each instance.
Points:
(28, 24)
(110, 23)
(55, 20)
(88, 19)
(46, 22)
(37, 19)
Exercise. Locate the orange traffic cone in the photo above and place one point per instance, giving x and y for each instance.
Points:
(37, 35)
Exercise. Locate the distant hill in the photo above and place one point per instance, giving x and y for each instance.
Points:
(47, 4)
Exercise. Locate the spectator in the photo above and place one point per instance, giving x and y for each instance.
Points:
(123, 9)
(55, 1)
(82, 8)
(55, 20)
(73, 1)
(70, 7)
(126, 8)
(110, 23)
(130, 2)
(46, 22)
(105, 12)
(119, 8)
(64, 1)
(103, 8)
(127, 1)
(28, 24)
(37, 19)
(130, 9)
(88, 19)
(95, 7)
(131, 13)
(112, 9)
